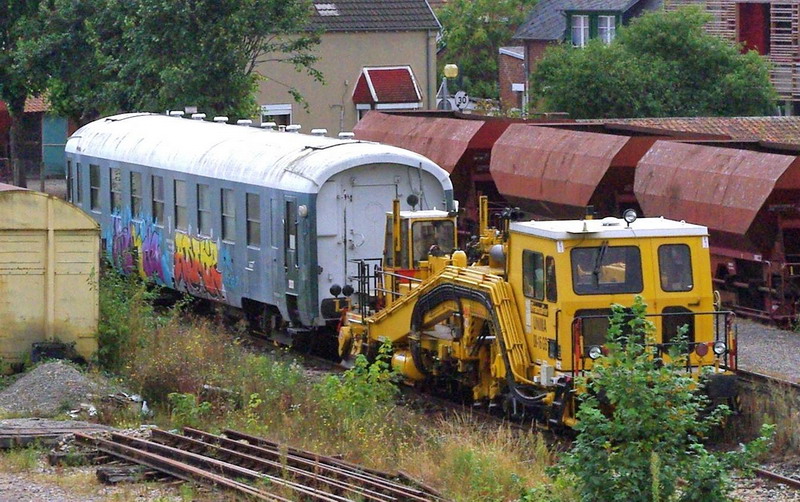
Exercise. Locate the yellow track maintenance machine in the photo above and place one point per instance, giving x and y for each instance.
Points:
(521, 323)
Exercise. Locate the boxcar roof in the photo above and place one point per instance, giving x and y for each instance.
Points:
(608, 228)
(289, 161)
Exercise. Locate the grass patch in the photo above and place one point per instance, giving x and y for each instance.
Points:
(20, 459)
(195, 372)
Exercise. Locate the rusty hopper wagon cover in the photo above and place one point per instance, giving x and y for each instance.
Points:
(49, 266)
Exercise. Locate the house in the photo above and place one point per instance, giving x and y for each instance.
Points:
(511, 75)
(374, 55)
(770, 28)
(574, 21)
(43, 138)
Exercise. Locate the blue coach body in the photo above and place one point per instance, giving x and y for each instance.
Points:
(262, 220)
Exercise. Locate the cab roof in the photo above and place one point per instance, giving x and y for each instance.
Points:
(608, 228)
(426, 214)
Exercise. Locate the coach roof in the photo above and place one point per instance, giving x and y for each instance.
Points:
(289, 161)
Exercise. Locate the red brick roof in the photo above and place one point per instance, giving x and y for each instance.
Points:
(784, 130)
(35, 104)
(388, 84)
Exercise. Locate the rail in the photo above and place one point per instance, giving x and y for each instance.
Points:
(258, 468)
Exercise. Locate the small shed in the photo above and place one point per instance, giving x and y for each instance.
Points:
(49, 267)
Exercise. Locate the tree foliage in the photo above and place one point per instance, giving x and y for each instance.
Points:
(663, 64)
(472, 33)
(103, 56)
(16, 80)
(641, 424)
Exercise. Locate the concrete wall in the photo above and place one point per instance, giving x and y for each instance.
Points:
(341, 57)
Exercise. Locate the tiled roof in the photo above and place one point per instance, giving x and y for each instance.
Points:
(590, 5)
(35, 104)
(547, 20)
(373, 15)
(784, 130)
(390, 84)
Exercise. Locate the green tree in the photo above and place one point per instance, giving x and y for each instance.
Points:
(663, 64)
(105, 56)
(472, 33)
(17, 81)
(641, 423)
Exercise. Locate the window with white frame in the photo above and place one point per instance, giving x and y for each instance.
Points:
(580, 30)
(281, 114)
(607, 28)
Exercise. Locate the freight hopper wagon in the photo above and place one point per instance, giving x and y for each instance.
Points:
(517, 328)
(49, 264)
(746, 193)
(267, 222)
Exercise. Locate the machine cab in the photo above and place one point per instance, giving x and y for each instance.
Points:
(567, 274)
(418, 244)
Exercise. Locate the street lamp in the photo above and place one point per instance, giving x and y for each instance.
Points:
(450, 71)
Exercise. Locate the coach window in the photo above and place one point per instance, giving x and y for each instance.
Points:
(94, 187)
(228, 215)
(533, 274)
(158, 200)
(675, 267)
(203, 209)
(253, 220)
(136, 195)
(78, 185)
(115, 176)
(181, 222)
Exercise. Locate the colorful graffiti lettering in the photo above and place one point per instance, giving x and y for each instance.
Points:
(134, 244)
(196, 267)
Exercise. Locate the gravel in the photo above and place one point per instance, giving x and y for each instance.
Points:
(47, 390)
(768, 350)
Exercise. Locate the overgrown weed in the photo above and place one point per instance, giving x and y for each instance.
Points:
(20, 459)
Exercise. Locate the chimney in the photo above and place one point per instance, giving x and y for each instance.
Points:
(220, 119)
(199, 116)
(319, 132)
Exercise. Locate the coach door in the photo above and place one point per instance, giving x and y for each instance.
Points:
(290, 245)
(364, 218)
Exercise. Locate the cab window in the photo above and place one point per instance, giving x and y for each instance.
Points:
(389, 251)
(550, 279)
(606, 270)
(533, 274)
(675, 267)
(435, 237)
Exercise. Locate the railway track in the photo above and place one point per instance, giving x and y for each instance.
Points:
(260, 469)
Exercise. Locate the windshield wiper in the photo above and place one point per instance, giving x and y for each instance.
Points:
(598, 262)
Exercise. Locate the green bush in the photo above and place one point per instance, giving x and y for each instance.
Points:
(126, 314)
(186, 411)
(641, 424)
(364, 388)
